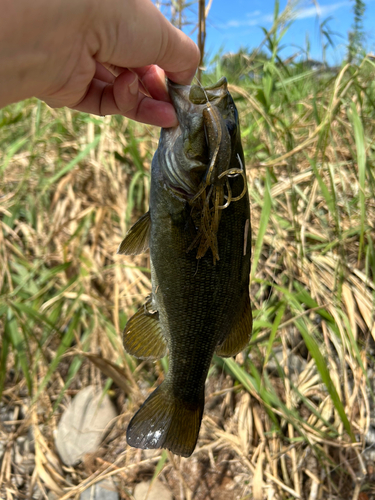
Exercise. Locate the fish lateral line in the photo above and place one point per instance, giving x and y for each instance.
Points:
(246, 235)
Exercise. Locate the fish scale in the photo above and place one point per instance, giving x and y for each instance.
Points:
(199, 269)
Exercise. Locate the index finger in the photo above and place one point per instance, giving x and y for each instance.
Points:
(141, 37)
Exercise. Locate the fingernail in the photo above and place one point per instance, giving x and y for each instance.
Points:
(133, 86)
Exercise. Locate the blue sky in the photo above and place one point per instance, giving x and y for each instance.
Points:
(235, 23)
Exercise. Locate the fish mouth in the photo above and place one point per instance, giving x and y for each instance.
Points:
(185, 152)
(185, 96)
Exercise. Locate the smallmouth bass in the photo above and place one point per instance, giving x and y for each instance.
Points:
(198, 232)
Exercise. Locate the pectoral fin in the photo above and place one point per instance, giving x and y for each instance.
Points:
(143, 337)
(137, 238)
(240, 334)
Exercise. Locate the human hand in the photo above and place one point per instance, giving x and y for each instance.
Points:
(99, 57)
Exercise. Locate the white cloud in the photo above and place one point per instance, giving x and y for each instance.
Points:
(255, 18)
(255, 13)
(318, 10)
(253, 21)
(232, 24)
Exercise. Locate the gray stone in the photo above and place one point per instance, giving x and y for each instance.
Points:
(159, 491)
(104, 490)
(83, 424)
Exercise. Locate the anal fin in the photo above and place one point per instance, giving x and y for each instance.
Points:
(137, 238)
(143, 337)
(240, 334)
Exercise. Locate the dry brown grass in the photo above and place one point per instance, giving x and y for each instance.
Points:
(272, 428)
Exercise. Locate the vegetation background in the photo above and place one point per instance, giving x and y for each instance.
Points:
(293, 415)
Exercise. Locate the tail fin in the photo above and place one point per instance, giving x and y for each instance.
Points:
(163, 421)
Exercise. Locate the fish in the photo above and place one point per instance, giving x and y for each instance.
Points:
(199, 235)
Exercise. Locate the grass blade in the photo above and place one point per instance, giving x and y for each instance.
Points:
(263, 224)
(321, 365)
(361, 161)
(81, 156)
(19, 345)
